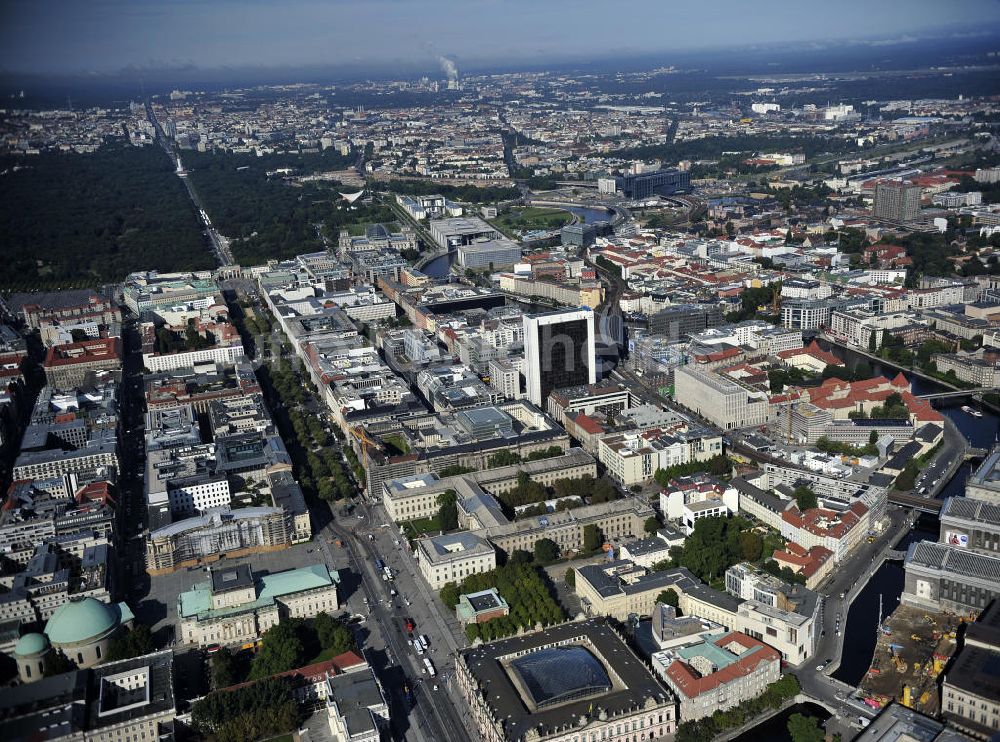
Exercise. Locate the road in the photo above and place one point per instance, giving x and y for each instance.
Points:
(133, 580)
(220, 247)
(848, 580)
(938, 473)
(367, 535)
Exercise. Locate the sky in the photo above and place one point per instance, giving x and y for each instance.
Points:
(104, 36)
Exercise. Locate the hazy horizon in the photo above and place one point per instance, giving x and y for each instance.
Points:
(57, 37)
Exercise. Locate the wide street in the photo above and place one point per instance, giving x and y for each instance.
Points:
(433, 715)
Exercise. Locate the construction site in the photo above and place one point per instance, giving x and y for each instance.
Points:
(913, 648)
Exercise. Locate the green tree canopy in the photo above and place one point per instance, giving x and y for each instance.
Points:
(282, 649)
(668, 597)
(504, 458)
(225, 669)
(56, 663)
(718, 466)
(652, 525)
(87, 219)
(332, 634)
(447, 510)
(751, 546)
(526, 590)
(450, 594)
(256, 711)
(472, 632)
(715, 545)
(908, 477)
(450, 471)
(805, 498)
(520, 556)
(134, 643)
(592, 537)
(546, 551)
(804, 729)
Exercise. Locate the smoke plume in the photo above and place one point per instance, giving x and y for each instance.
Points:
(448, 67)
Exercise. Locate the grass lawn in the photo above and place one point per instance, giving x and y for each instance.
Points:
(528, 218)
(397, 442)
(416, 528)
(358, 229)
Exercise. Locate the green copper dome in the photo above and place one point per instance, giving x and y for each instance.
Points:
(80, 621)
(31, 644)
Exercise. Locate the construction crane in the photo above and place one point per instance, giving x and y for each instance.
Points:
(360, 433)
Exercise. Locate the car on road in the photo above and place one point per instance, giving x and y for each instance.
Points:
(820, 668)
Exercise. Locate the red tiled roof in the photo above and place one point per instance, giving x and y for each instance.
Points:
(808, 562)
(588, 424)
(813, 350)
(825, 523)
(921, 409)
(838, 394)
(95, 492)
(9, 502)
(719, 355)
(87, 351)
(315, 672)
(692, 685)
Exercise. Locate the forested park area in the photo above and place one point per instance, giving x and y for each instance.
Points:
(268, 217)
(75, 220)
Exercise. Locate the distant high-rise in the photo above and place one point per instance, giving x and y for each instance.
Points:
(658, 182)
(559, 351)
(896, 201)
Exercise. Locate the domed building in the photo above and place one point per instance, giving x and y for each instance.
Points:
(81, 629)
(29, 653)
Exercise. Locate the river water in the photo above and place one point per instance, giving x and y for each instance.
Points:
(590, 215)
(439, 267)
(775, 729)
(863, 619)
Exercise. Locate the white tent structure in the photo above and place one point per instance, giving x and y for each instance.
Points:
(352, 197)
